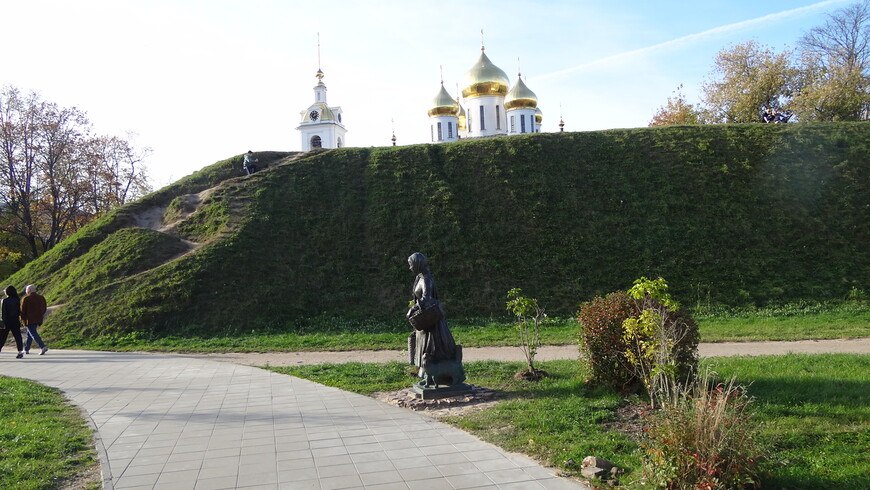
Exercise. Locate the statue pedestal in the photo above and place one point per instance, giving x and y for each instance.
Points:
(433, 392)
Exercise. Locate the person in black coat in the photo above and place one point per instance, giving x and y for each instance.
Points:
(10, 310)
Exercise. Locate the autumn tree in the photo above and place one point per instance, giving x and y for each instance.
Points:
(835, 61)
(56, 174)
(676, 111)
(745, 78)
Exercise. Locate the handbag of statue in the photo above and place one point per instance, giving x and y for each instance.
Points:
(425, 315)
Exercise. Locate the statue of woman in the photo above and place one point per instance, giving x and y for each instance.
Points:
(436, 344)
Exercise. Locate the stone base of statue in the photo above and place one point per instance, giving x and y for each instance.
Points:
(424, 392)
(442, 379)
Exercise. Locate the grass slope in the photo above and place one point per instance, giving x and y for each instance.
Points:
(747, 213)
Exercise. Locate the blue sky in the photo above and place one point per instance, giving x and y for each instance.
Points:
(200, 81)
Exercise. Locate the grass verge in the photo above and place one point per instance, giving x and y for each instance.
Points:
(44, 442)
(814, 412)
(792, 322)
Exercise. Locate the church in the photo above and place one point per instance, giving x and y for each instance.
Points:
(490, 106)
(321, 125)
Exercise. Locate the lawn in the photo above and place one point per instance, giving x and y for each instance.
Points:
(790, 322)
(44, 441)
(813, 413)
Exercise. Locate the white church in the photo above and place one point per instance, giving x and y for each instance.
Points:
(489, 107)
(321, 125)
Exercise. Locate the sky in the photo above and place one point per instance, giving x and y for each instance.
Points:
(200, 81)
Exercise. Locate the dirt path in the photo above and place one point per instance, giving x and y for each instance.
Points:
(545, 353)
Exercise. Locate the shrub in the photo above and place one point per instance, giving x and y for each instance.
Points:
(702, 438)
(661, 340)
(638, 337)
(529, 317)
(601, 340)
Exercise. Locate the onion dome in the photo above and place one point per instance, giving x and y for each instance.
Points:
(539, 116)
(443, 104)
(520, 97)
(484, 78)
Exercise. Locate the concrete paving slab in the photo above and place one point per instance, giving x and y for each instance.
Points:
(166, 421)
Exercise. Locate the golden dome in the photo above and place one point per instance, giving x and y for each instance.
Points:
(539, 116)
(484, 78)
(443, 104)
(520, 97)
(323, 113)
(461, 124)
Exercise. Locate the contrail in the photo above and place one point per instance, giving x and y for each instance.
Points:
(691, 37)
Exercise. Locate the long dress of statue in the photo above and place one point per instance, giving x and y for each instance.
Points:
(438, 343)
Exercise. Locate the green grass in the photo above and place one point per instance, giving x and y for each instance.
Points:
(43, 439)
(788, 322)
(813, 411)
(794, 322)
(728, 214)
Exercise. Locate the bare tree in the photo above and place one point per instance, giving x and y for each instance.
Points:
(54, 170)
(835, 67)
(843, 41)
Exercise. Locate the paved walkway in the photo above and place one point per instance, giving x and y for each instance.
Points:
(172, 422)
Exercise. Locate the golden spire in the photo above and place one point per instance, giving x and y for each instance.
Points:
(319, 74)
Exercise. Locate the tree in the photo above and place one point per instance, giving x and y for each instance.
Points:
(748, 77)
(56, 175)
(529, 317)
(676, 112)
(833, 85)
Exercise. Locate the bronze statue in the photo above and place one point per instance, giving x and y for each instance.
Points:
(431, 346)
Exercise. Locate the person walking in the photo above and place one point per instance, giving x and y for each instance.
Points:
(33, 308)
(10, 310)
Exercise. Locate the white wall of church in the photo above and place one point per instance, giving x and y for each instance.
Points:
(443, 128)
(521, 121)
(492, 108)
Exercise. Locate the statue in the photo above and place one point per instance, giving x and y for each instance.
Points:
(431, 346)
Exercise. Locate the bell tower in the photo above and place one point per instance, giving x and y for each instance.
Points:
(321, 125)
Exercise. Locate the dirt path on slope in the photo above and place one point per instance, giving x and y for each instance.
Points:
(545, 353)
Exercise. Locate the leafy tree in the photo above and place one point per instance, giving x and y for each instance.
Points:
(56, 175)
(677, 111)
(529, 317)
(745, 78)
(835, 65)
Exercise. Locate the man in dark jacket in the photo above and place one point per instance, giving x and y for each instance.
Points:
(33, 308)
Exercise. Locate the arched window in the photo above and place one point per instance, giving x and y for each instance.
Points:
(315, 142)
(339, 143)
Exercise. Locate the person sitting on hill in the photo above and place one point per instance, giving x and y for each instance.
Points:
(250, 163)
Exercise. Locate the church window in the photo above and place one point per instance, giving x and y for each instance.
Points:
(522, 123)
(497, 118)
(339, 145)
(450, 129)
(432, 133)
(439, 132)
(513, 124)
(316, 142)
(482, 125)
